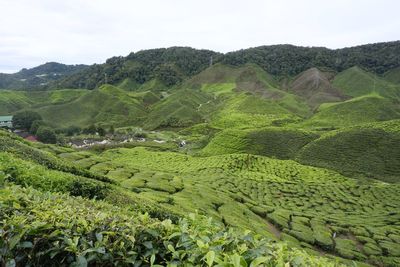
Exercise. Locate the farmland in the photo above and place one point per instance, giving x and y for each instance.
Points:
(177, 164)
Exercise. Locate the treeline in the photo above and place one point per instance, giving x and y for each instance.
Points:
(169, 65)
(173, 65)
(283, 60)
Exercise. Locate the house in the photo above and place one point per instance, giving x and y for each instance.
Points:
(6, 121)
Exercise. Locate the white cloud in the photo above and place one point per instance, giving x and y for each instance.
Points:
(87, 31)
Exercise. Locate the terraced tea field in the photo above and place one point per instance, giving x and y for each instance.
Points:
(313, 208)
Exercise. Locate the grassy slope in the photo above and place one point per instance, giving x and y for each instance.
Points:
(393, 76)
(181, 108)
(12, 101)
(272, 142)
(363, 109)
(356, 82)
(371, 150)
(315, 87)
(108, 104)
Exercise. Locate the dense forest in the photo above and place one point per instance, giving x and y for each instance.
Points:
(171, 66)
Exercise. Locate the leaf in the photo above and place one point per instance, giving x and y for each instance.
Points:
(171, 248)
(148, 244)
(210, 257)
(200, 243)
(256, 262)
(152, 259)
(26, 244)
(99, 237)
(80, 262)
(14, 241)
(236, 260)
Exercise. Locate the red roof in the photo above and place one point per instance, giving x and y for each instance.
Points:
(31, 138)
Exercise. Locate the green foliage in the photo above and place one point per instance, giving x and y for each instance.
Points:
(35, 126)
(291, 60)
(25, 119)
(66, 231)
(364, 109)
(46, 135)
(24, 149)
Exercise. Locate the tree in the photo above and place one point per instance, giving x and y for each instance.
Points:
(35, 126)
(90, 130)
(46, 135)
(72, 130)
(101, 131)
(25, 119)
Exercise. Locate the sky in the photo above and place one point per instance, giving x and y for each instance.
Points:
(33, 32)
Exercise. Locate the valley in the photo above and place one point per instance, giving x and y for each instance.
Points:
(302, 158)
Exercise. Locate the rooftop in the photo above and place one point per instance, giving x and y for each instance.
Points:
(6, 118)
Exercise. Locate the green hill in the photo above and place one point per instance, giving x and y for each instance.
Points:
(108, 104)
(357, 82)
(368, 108)
(180, 109)
(315, 87)
(274, 142)
(370, 150)
(393, 75)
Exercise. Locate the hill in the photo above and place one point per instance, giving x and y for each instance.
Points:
(357, 82)
(103, 105)
(175, 64)
(38, 77)
(393, 75)
(363, 109)
(314, 86)
(371, 150)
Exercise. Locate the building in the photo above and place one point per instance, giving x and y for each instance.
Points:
(6, 121)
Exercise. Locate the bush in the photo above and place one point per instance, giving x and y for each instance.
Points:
(35, 126)
(88, 189)
(46, 135)
(68, 231)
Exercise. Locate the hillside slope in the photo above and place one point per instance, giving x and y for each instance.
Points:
(370, 150)
(314, 86)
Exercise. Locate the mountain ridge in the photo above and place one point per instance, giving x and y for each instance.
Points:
(175, 64)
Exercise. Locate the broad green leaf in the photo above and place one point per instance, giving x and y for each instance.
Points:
(257, 262)
(210, 257)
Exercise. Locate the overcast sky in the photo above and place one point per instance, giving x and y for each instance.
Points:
(33, 32)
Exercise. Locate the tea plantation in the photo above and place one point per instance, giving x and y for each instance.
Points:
(188, 165)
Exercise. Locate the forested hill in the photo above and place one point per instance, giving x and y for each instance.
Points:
(171, 66)
(38, 77)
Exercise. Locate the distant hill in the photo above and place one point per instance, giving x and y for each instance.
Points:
(38, 77)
